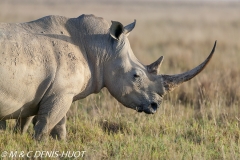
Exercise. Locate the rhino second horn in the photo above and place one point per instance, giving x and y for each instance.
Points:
(155, 66)
(170, 82)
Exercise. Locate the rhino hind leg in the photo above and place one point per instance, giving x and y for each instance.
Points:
(3, 125)
(22, 124)
(50, 113)
(59, 131)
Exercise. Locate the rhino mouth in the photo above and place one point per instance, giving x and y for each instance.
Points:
(151, 109)
(147, 111)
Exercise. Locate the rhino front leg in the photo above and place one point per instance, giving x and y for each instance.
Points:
(34, 121)
(51, 111)
(22, 124)
(3, 125)
(59, 131)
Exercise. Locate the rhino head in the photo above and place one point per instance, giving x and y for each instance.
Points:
(133, 84)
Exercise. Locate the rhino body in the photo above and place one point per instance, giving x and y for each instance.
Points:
(47, 64)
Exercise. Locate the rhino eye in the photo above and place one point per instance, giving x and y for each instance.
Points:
(136, 76)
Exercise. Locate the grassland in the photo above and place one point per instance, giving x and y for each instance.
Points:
(199, 120)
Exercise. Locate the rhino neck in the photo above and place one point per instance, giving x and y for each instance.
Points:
(97, 55)
(96, 69)
(93, 40)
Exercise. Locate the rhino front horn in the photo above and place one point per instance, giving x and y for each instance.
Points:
(170, 82)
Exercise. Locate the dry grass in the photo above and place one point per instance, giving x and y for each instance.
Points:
(199, 120)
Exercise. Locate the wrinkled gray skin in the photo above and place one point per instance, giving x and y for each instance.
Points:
(47, 64)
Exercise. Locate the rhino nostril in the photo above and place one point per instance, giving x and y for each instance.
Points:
(154, 106)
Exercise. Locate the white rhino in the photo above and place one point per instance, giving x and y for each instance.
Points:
(47, 64)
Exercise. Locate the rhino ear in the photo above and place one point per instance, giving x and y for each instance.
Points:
(116, 29)
(155, 66)
(129, 28)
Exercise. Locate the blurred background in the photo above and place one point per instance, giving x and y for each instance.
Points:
(183, 31)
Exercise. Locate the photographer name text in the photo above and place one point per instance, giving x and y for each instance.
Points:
(43, 154)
